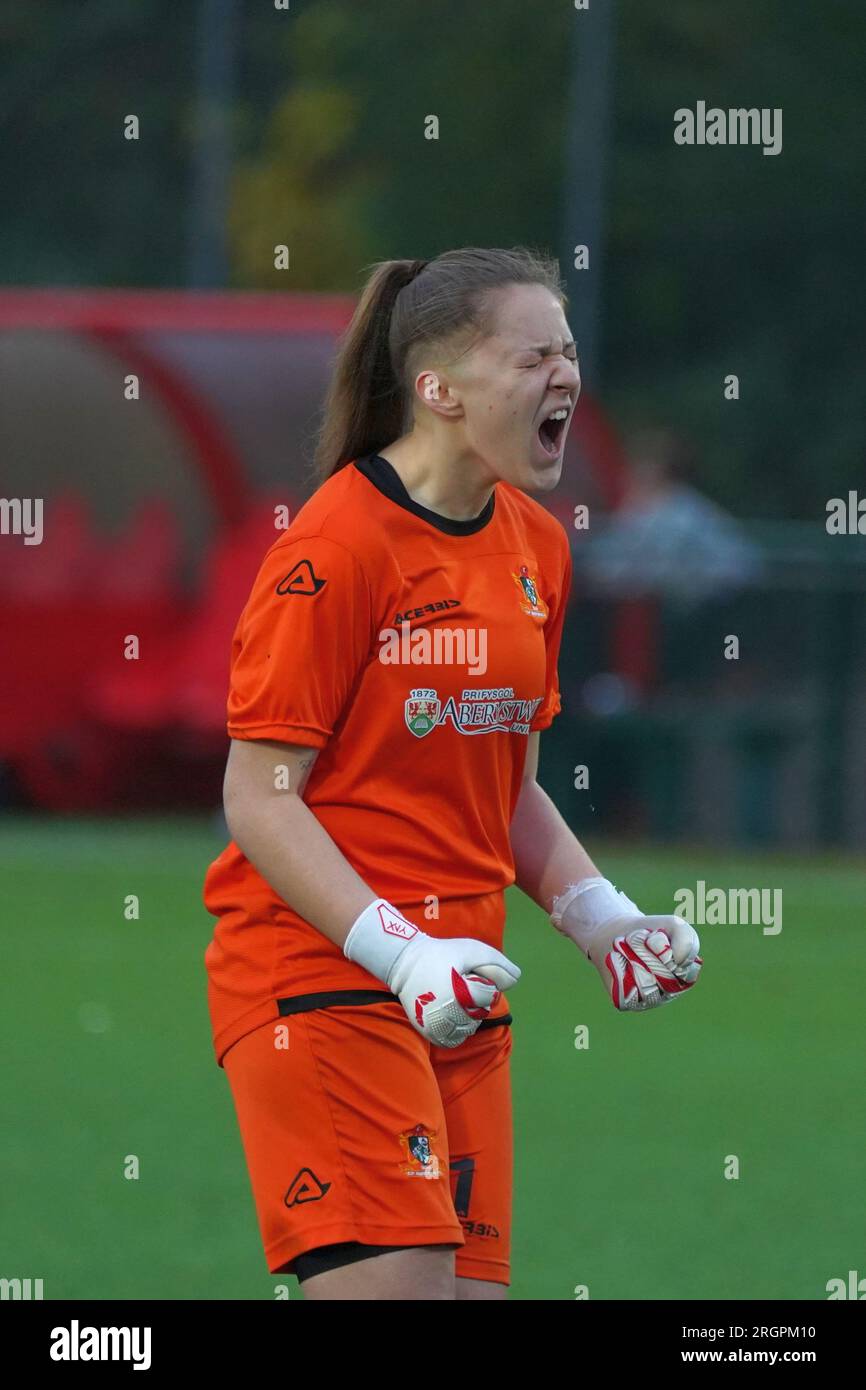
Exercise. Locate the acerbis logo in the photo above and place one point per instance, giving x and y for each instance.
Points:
(438, 607)
(485, 1229)
(301, 580)
(305, 1187)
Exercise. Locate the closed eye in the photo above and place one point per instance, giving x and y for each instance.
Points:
(570, 356)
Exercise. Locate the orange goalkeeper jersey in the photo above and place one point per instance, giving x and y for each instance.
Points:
(417, 653)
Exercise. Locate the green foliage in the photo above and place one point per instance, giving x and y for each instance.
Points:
(306, 191)
(717, 260)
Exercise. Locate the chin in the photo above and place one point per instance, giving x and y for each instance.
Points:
(543, 479)
(530, 475)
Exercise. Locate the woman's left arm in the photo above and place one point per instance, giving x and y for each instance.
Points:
(643, 961)
(547, 854)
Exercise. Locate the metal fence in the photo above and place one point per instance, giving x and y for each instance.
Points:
(767, 747)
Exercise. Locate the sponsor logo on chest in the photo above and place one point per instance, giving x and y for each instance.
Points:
(476, 712)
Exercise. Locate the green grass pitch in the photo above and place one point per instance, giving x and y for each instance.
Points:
(620, 1149)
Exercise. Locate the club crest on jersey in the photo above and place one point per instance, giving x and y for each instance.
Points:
(533, 603)
(422, 711)
(422, 1162)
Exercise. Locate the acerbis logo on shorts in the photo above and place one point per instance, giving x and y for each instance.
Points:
(301, 580)
(483, 1229)
(418, 1144)
(305, 1187)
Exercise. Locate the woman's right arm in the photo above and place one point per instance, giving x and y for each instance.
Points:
(278, 833)
(446, 987)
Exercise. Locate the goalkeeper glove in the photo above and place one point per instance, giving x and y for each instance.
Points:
(643, 961)
(447, 987)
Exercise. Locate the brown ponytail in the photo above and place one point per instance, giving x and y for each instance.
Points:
(404, 305)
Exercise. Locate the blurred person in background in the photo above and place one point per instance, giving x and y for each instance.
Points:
(670, 568)
(667, 538)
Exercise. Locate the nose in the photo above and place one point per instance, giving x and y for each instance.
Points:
(566, 376)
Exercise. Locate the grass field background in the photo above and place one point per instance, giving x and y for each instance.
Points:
(620, 1149)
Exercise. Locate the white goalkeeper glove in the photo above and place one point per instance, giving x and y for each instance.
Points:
(643, 961)
(447, 987)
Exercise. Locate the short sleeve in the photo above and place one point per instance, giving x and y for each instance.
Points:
(552, 702)
(300, 643)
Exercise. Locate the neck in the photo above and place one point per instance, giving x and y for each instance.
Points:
(453, 484)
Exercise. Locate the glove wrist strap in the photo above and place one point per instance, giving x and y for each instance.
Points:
(378, 936)
(581, 908)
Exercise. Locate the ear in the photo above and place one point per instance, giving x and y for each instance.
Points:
(437, 395)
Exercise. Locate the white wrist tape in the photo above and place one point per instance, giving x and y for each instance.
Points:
(377, 937)
(590, 904)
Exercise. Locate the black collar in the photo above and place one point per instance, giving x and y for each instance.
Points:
(385, 477)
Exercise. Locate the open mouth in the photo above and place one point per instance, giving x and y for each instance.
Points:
(552, 431)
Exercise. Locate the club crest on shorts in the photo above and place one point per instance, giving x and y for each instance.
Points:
(422, 711)
(422, 1162)
(533, 603)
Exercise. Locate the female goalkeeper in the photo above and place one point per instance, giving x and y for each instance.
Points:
(390, 675)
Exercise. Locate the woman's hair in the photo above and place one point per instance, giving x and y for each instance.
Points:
(407, 306)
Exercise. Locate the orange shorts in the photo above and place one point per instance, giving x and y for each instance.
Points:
(356, 1129)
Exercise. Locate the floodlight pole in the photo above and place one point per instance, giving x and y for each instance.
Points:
(216, 49)
(586, 157)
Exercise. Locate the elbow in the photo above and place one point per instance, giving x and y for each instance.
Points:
(245, 807)
(240, 804)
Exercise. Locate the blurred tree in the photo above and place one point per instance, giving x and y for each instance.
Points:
(722, 259)
(308, 191)
(719, 259)
(352, 179)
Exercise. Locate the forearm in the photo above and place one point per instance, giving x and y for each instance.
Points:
(547, 854)
(295, 854)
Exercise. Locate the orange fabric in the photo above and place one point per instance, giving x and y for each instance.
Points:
(416, 789)
(357, 1129)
